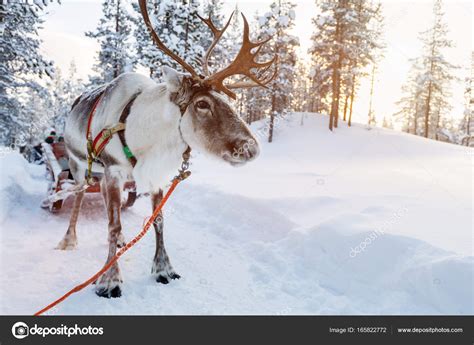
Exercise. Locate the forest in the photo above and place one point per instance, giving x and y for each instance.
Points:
(356, 200)
(347, 45)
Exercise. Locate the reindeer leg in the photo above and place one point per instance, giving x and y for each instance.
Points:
(103, 189)
(161, 269)
(108, 285)
(69, 240)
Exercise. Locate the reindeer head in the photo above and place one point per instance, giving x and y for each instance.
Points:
(208, 118)
(209, 121)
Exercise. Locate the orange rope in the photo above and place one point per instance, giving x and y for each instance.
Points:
(119, 253)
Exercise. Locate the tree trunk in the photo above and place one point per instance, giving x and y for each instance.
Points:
(349, 122)
(370, 115)
(346, 100)
(275, 106)
(272, 119)
(336, 78)
(415, 121)
(430, 87)
(438, 120)
(427, 110)
(335, 97)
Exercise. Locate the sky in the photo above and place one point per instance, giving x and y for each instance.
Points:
(65, 24)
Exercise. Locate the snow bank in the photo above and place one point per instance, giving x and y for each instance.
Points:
(19, 181)
(352, 222)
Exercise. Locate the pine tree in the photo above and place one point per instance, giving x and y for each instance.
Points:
(232, 40)
(466, 126)
(277, 24)
(219, 57)
(36, 112)
(437, 71)
(330, 46)
(21, 63)
(113, 33)
(179, 28)
(366, 48)
(65, 91)
(345, 41)
(300, 101)
(387, 122)
(410, 106)
(147, 54)
(428, 90)
(320, 85)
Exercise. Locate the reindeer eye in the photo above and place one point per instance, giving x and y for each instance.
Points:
(203, 105)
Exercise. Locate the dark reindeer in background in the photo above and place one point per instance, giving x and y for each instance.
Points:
(162, 121)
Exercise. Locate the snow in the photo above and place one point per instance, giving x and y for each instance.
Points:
(354, 221)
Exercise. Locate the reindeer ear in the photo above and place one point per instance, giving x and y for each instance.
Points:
(173, 78)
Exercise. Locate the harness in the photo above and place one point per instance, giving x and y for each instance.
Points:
(97, 145)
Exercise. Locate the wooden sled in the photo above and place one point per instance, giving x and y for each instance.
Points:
(61, 180)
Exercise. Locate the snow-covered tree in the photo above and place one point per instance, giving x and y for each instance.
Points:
(113, 33)
(437, 72)
(387, 122)
(330, 46)
(232, 39)
(366, 49)
(21, 63)
(64, 91)
(35, 111)
(320, 86)
(345, 40)
(300, 101)
(220, 55)
(466, 126)
(178, 27)
(427, 94)
(277, 24)
(410, 105)
(146, 53)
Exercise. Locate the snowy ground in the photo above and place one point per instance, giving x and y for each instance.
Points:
(352, 222)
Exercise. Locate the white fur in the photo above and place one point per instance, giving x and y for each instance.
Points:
(151, 131)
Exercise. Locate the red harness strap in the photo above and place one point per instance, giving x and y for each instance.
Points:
(91, 115)
(96, 146)
(103, 138)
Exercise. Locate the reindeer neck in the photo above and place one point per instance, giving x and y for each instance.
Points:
(153, 136)
(153, 123)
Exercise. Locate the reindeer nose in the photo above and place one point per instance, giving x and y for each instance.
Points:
(245, 150)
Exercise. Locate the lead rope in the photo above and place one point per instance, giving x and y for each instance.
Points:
(183, 173)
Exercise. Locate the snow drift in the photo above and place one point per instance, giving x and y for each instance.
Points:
(352, 222)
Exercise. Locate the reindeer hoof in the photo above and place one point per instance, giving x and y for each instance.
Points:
(107, 293)
(164, 278)
(121, 241)
(173, 275)
(66, 244)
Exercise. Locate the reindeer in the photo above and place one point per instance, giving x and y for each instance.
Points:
(157, 123)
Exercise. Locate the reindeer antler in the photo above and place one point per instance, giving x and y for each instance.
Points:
(165, 49)
(243, 64)
(217, 36)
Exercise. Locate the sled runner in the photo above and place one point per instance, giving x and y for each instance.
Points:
(61, 180)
